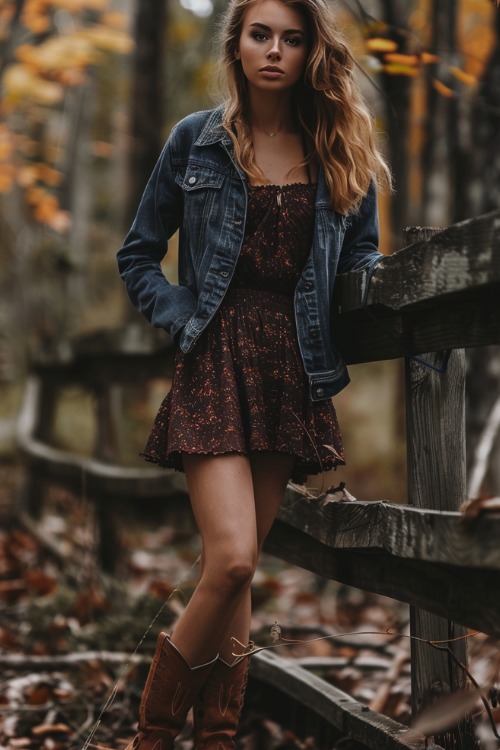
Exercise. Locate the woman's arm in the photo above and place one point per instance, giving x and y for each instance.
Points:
(360, 246)
(159, 215)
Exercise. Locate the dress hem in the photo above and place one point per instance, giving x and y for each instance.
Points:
(300, 469)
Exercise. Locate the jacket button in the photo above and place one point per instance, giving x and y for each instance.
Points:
(314, 333)
(320, 392)
(224, 273)
(192, 180)
(308, 286)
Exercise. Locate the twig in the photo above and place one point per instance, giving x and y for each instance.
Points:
(483, 450)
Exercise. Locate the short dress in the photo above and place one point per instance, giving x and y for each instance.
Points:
(243, 388)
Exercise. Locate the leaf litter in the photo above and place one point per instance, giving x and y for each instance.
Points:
(75, 644)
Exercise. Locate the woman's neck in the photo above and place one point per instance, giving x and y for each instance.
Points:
(271, 114)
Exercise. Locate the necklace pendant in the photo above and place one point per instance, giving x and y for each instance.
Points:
(272, 134)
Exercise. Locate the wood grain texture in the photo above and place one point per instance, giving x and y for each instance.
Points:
(443, 537)
(435, 420)
(339, 709)
(442, 293)
(454, 260)
(466, 595)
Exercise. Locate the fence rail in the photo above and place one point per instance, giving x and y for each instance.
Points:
(441, 293)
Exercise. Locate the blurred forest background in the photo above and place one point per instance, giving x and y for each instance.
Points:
(89, 90)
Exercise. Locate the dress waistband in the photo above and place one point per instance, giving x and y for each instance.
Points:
(248, 295)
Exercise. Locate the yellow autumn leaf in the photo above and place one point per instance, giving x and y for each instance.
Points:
(115, 20)
(427, 58)
(46, 208)
(76, 6)
(72, 6)
(400, 70)
(442, 89)
(101, 5)
(72, 77)
(379, 44)
(462, 76)
(400, 59)
(20, 83)
(107, 39)
(60, 221)
(34, 195)
(7, 169)
(35, 17)
(102, 149)
(58, 54)
(27, 175)
(49, 175)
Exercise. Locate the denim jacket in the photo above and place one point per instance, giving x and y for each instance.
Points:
(198, 188)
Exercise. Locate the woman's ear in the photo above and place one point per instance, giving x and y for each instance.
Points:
(237, 54)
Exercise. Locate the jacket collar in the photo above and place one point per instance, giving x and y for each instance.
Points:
(212, 131)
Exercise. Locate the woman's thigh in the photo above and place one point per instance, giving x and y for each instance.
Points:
(270, 475)
(222, 498)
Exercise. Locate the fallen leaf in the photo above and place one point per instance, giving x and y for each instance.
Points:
(446, 712)
(46, 729)
(472, 508)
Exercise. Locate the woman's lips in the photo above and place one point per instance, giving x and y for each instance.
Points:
(272, 71)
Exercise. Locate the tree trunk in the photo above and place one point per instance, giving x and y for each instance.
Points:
(146, 98)
(439, 159)
(398, 112)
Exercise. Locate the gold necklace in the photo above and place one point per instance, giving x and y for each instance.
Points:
(270, 133)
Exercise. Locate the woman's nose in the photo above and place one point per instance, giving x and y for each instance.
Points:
(275, 50)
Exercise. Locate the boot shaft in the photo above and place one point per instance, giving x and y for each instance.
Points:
(218, 707)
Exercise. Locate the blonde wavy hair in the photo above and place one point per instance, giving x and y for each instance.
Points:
(329, 106)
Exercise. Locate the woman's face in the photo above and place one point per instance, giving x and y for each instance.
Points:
(273, 47)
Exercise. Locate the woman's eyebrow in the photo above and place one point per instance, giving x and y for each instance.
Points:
(268, 28)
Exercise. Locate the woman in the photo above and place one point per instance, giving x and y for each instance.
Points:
(274, 193)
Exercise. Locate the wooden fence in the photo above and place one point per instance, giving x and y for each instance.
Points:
(425, 303)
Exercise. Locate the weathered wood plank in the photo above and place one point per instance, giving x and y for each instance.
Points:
(339, 709)
(99, 476)
(374, 333)
(440, 294)
(467, 595)
(463, 256)
(416, 534)
(435, 419)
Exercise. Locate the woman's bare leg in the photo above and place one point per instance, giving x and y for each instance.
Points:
(270, 474)
(222, 498)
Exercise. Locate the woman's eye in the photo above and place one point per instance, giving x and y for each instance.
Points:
(293, 41)
(259, 36)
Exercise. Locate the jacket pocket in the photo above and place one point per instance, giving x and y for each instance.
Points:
(200, 177)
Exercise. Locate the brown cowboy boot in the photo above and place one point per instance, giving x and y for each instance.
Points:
(218, 707)
(170, 691)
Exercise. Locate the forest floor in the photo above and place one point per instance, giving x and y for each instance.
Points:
(75, 644)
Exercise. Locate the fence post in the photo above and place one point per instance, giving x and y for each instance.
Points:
(435, 408)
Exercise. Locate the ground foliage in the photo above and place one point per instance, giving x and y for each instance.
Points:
(75, 645)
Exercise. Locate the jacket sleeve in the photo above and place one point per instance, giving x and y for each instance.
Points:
(159, 215)
(360, 245)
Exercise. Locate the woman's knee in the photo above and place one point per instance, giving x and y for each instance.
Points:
(230, 573)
